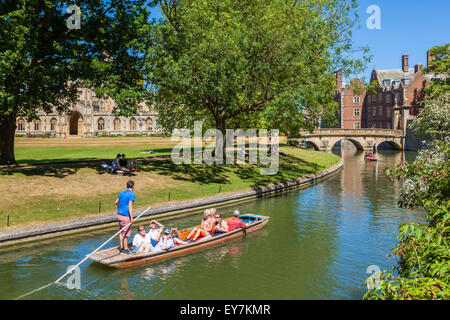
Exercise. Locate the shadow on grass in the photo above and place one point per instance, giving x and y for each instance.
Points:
(200, 173)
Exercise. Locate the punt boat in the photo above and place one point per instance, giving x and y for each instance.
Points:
(371, 159)
(112, 258)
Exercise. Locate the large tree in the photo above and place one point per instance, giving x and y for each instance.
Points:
(43, 60)
(229, 62)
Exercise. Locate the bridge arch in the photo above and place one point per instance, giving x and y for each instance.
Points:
(313, 144)
(359, 145)
(393, 144)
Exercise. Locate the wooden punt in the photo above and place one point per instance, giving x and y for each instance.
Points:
(111, 257)
(371, 159)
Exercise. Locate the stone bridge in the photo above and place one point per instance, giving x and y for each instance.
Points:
(363, 139)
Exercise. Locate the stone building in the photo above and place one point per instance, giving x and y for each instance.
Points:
(91, 116)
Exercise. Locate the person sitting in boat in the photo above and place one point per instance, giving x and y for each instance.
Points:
(174, 231)
(205, 229)
(141, 241)
(234, 222)
(220, 225)
(155, 233)
(167, 241)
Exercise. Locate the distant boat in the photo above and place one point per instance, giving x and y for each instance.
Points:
(112, 258)
(371, 159)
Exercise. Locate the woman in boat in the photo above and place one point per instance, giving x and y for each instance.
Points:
(167, 241)
(220, 226)
(155, 233)
(141, 241)
(205, 229)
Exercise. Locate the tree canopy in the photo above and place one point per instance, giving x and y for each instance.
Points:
(250, 63)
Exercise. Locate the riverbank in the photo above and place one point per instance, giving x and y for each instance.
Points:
(233, 183)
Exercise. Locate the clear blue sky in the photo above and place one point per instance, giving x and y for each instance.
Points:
(407, 27)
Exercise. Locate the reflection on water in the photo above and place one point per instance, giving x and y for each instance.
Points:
(317, 245)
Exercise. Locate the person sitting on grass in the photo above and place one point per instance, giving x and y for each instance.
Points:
(167, 241)
(115, 165)
(235, 223)
(205, 229)
(141, 241)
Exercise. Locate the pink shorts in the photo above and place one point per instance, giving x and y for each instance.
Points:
(123, 221)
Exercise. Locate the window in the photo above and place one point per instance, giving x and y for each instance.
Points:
(355, 99)
(37, 125)
(381, 111)
(133, 124)
(356, 125)
(388, 98)
(387, 82)
(21, 125)
(101, 124)
(96, 106)
(356, 112)
(374, 112)
(388, 111)
(369, 99)
(53, 123)
(406, 81)
(80, 94)
(149, 124)
(116, 124)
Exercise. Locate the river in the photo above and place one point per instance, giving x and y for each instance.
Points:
(318, 244)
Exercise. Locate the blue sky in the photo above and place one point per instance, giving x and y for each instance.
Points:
(407, 27)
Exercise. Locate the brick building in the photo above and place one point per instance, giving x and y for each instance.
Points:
(352, 103)
(396, 102)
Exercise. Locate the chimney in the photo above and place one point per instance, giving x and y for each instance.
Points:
(418, 68)
(339, 80)
(429, 59)
(405, 63)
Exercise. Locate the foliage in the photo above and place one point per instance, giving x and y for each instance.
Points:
(434, 117)
(230, 62)
(441, 68)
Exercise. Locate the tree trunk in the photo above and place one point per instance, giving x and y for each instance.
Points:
(7, 132)
(220, 141)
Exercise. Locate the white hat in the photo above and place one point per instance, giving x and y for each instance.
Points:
(236, 213)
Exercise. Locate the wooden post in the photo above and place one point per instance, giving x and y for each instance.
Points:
(169, 196)
(7, 223)
(99, 207)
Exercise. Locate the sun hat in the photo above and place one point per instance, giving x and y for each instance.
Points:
(236, 213)
(207, 211)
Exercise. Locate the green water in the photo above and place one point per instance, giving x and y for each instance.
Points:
(318, 244)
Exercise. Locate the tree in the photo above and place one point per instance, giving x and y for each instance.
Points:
(227, 61)
(440, 66)
(42, 61)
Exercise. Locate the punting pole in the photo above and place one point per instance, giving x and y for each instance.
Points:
(87, 257)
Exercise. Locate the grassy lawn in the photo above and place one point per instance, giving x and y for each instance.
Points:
(38, 150)
(48, 193)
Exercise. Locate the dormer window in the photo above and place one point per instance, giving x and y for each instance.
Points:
(355, 99)
(387, 82)
(406, 81)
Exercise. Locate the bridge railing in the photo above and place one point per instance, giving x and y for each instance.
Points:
(352, 132)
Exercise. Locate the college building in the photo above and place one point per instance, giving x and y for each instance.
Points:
(91, 116)
(395, 103)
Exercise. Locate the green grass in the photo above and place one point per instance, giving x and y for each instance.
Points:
(158, 179)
